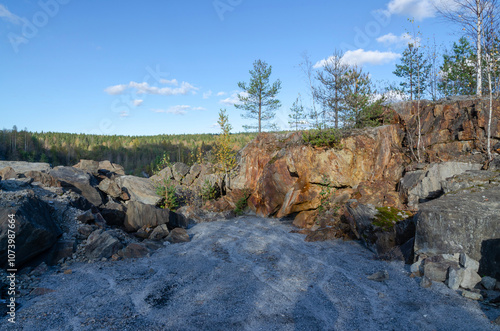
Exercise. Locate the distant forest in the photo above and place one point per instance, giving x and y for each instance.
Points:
(137, 154)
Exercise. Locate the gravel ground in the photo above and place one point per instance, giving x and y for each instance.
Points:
(247, 273)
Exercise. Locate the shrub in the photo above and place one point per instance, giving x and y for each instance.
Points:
(208, 191)
(329, 137)
(166, 191)
(242, 203)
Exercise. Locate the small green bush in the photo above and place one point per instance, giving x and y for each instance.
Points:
(329, 137)
(208, 191)
(166, 191)
(242, 203)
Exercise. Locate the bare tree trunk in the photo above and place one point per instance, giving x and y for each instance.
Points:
(490, 114)
(479, 91)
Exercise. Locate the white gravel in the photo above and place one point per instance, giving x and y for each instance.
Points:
(247, 273)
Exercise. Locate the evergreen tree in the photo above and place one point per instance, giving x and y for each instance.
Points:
(414, 69)
(297, 116)
(357, 94)
(225, 155)
(260, 101)
(458, 70)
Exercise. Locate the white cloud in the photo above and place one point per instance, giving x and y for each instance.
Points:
(138, 102)
(391, 39)
(6, 15)
(124, 113)
(145, 88)
(418, 9)
(233, 99)
(169, 82)
(207, 94)
(116, 89)
(177, 110)
(360, 57)
(221, 93)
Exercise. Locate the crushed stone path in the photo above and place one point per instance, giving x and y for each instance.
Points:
(247, 273)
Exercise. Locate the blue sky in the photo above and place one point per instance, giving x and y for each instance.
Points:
(167, 67)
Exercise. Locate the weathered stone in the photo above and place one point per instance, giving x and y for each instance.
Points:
(12, 185)
(178, 235)
(495, 163)
(87, 217)
(458, 223)
(35, 228)
(113, 167)
(113, 213)
(43, 178)
(489, 264)
(159, 233)
(179, 171)
(164, 174)
(421, 185)
(472, 295)
(425, 282)
(470, 180)
(110, 187)
(86, 230)
(488, 283)
(21, 167)
(78, 181)
(468, 263)
(140, 214)
(379, 276)
(417, 268)
(88, 165)
(139, 189)
(470, 279)
(102, 244)
(438, 271)
(454, 278)
(134, 250)
(7, 173)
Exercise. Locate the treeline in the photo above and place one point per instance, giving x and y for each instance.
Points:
(137, 154)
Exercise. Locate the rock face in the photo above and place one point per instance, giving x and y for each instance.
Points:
(101, 244)
(426, 184)
(140, 215)
(21, 167)
(463, 221)
(139, 189)
(78, 181)
(35, 229)
(286, 177)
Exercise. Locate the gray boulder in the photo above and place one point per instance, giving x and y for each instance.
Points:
(101, 244)
(78, 181)
(7, 173)
(159, 233)
(110, 187)
(21, 167)
(422, 185)
(140, 215)
(35, 228)
(178, 235)
(113, 213)
(139, 189)
(460, 222)
(180, 170)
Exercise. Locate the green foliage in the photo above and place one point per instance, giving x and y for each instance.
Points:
(166, 191)
(137, 154)
(458, 70)
(325, 195)
(208, 191)
(328, 137)
(297, 116)
(414, 70)
(260, 103)
(225, 155)
(387, 217)
(242, 203)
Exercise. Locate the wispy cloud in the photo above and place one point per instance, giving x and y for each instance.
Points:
(399, 41)
(233, 99)
(207, 94)
(221, 93)
(177, 110)
(418, 9)
(124, 113)
(169, 82)
(8, 16)
(138, 102)
(360, 57)
(145, 88)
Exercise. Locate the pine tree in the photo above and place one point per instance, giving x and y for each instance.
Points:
(357, 93)
(414, 69)
(458, 70)
(260, 101)
(297, 116)
(226, 157)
